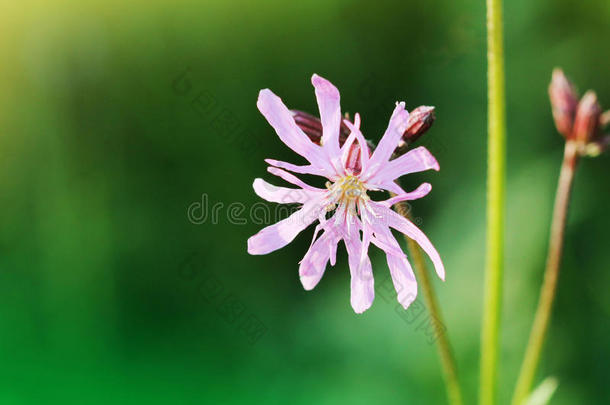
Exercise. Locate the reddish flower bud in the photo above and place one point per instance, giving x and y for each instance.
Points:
(420, 120)
(586, 122)
(312, 126)
(564, 100)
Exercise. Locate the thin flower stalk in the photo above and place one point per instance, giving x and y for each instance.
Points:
(450, 373)
(495, 205)
(581, 123)
(551, 275)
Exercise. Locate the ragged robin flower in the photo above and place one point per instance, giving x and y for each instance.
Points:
(344, 210)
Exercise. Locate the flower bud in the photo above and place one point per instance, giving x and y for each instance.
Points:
(312, 126)
(586, 123)
(564, 100)
(420, 120)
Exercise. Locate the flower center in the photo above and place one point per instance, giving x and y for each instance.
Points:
(348, 190)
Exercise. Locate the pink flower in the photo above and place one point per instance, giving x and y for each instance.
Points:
(344, 210)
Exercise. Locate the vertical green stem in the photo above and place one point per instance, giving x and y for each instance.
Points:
(549, 285)
(495, 205)
(452, 384)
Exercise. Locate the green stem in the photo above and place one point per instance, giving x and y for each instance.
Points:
(549, 285)
(495, 205)
(452, 384)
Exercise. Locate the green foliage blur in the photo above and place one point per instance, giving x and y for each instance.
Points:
(116, 117)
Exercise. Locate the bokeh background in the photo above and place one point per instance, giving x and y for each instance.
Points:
(116, 117)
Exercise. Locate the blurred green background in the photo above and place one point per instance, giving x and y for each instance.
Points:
(116, 117)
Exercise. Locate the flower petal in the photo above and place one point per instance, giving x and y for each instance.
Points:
(405, 226)
(400, 268)
(280, 234)
(388, 143)
(419, 192)
(415, 160)
(390, 186)
(388, 249)
(364, 147)
(330, 113)
(291, 178)
(314, 263)
(346, 148)
(305, 169)
(282, 195)
(362, 282)
(280, 118)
